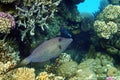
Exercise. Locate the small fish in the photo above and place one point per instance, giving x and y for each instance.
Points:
(47, 50)
(65, 32)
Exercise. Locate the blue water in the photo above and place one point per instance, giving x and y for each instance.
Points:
(90, 6)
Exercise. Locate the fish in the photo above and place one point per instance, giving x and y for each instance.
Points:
(47, 50)
(64, 32)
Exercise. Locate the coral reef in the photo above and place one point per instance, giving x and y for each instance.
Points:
(48, 76)
(105, 30)
(37, 15)
(67, 11)
(99, 65)
(9, 57)
(42, 76)
(84, 74)
(67, 69)
(107, 23)
(22, 73)
(7, 22)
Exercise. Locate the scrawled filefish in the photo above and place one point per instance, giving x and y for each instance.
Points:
(47, 50)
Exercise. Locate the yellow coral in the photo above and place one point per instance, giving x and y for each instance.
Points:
(1, 77)
(42, 76)
(5, 66)
(111, 12)
(112, 71)
(24, 74)
(5, 25)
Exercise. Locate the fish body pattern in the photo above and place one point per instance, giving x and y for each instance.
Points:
(48, 50)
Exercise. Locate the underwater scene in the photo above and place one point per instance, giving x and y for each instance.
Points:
(59, 39)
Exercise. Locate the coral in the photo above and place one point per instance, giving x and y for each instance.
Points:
(37, 15)
(5, 25)
(22, 73)
(107, 23)
(110, 78)
(7, 22)
(5, 66)
(27, 2)
(105, 30)
(84, 74)
(7, 1)
(48, 76)
(42, 76)
(111, 12)
(112, 50)
(64, 57)
(112, 72)
(99, 65)
(67, 11)
(9, 57)
(67, 69)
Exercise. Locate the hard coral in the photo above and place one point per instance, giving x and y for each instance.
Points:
(8, 57)
(107, 23)
(48, 76)
(22, 73)
(7, 22)
(105, 30)
(37, 15)
(42, 76)
(111, 12)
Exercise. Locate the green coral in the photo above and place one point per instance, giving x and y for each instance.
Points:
(111, 12)
(67, 69)
(107, 23)
(105, 30)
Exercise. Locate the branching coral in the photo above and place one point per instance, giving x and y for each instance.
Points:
(8, 57)
(37, 15)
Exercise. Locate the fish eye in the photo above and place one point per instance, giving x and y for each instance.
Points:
(60, 39)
